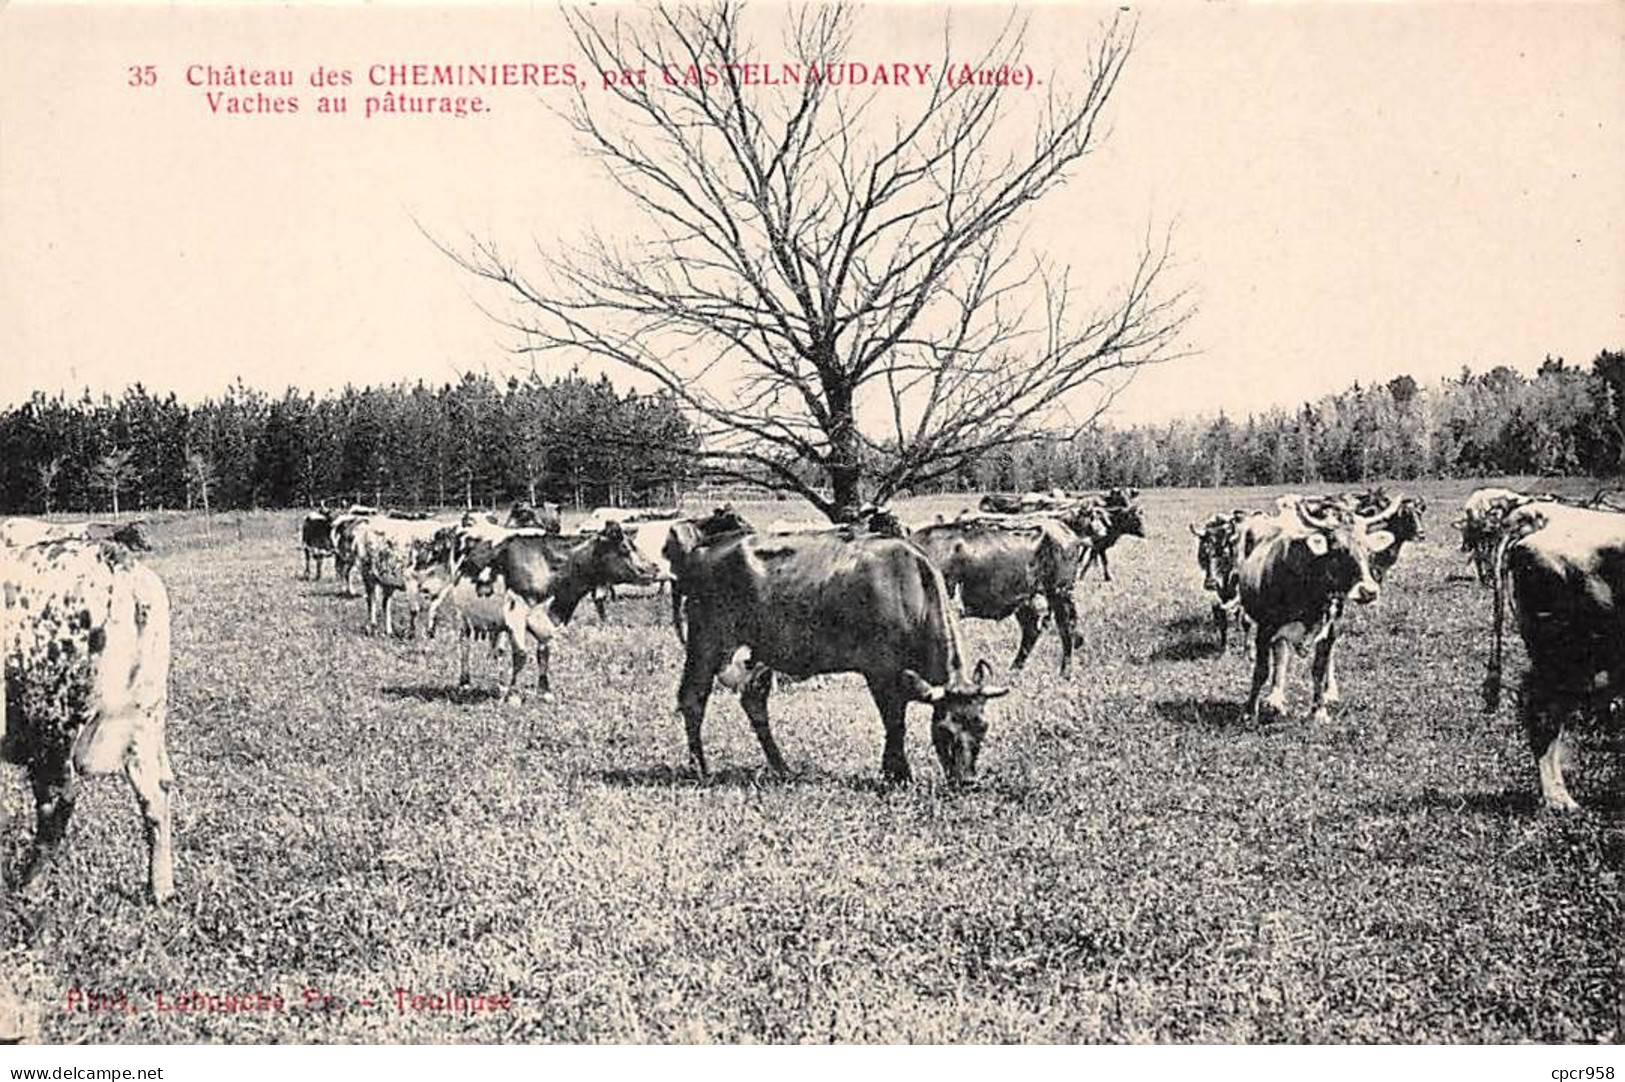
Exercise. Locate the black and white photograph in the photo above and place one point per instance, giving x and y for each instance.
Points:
(717, 523)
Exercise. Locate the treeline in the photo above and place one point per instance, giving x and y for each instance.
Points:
(474, 442)
(1563, 420)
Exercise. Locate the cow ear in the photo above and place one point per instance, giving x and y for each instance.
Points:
(1378, 540)
(920, 689)
(982, 672)
(1318, 543)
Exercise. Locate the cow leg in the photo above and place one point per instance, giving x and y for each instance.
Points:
(699, 671)
(307, 563)
(55, 788)
(1221, 618)
(465, 643)
(319, 558)
(1543, 718)
(1105, 565)
(1325, 674)
(372, 603)
(1066, 625)
(599, 603)
(147, 768)
(754, 699)
(892, 702)
(514, 615)
(1280, 662)
(1261, 671)
(1031, 625)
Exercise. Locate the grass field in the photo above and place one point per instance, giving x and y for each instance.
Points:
(1140, 862)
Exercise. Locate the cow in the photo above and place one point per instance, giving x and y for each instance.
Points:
(684, 537)
(1403, 519)
(1296, 570)
(84, 638)
(1216, 555)
(544, 517)
(1122, 520)
(1561, 570)
(346, 545)
(832, 601)
(542, 580)
(1480, 522)
(399, 554)
(316, 538)
(1002, 566)
(30, 531)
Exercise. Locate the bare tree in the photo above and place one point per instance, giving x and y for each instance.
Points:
(199, 478)
(47, 473)
(835, 285)
(114, 472)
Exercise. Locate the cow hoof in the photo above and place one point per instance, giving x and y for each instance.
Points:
(547, 698)
(513, 698)
(1319, 716)
(1562, 805)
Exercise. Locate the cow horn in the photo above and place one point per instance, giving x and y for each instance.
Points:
(1309, 518)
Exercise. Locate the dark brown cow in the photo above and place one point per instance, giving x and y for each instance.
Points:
(1216, 555)
(1562, 570)
(545, 578)
(687, 535)
(1000, 566)
(525, 516)
(1295, 572)
(84, 644)
(829, 602)
(316, 538)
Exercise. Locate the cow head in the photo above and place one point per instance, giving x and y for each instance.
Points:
(614, 558)
(1126, 520)
(957, 725)
(1337, 549)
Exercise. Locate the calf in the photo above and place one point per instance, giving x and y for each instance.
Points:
(1122, 520)
(1001, 567)
(1562, 570)
(829, 602)
(1297, 570)
(84, 637)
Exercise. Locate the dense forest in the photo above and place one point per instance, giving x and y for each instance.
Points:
(580, 442)
(471, 443)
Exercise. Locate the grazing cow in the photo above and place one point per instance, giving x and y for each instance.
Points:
(399, 554)
(544, 517)
(1296, 570)
(684, 537)
(1001, 567)
(84, 638)
(543, 579)
(1562, 570)
(1216, 555)
(316, 537)
(31, 531)
(832, 601)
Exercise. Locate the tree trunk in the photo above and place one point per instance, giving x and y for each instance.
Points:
(845, 472)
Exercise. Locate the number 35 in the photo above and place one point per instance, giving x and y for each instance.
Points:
(144, 75)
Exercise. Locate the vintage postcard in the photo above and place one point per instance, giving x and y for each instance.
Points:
(872, 523)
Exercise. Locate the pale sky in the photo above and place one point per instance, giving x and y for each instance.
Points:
(1356, 191)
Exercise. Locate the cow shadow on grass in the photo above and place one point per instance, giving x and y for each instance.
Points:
(1514, 801)
(1193, 638)
(664, 776)
(1226, 714)
(442, 693)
